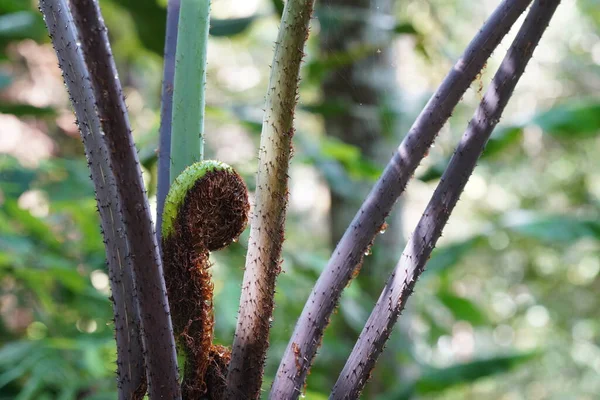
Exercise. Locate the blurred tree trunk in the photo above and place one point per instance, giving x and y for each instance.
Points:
(368, 90)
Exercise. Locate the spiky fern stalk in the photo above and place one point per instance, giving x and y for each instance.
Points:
(365, 226)
(268, 219)
(401, 283)
(96, 95)
(205, 210)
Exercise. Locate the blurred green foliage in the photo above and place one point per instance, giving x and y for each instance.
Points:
(507, 307)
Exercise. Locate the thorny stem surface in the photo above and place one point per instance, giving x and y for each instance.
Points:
(150, 290)
(251, 340)
(401, 283)
(131, 372)
(350, 251)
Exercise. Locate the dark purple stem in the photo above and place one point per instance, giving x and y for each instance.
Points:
(166, 111)
(401, 283)
(131, 372)
(150, 290)
(367, 223)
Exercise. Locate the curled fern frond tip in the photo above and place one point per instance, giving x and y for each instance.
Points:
(205, 210)
(222, 200)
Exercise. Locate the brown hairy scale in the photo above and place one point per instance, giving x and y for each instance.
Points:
(213, 214)
(219, 358)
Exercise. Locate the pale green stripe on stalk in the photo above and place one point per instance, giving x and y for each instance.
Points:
(187, 139)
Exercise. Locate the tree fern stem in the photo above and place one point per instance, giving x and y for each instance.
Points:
(268, 220)
(187, 127)
(131, 371)
(350, 251)
(150, 289)
(166, 113)
(401, 283)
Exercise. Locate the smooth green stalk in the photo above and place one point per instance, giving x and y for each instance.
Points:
(187, 138)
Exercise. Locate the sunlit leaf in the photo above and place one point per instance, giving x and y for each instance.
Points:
(357, 166)
(314, 395)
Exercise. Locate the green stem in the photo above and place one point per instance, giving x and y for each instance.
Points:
(187, 139)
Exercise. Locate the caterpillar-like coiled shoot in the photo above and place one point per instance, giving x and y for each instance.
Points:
(205, 210)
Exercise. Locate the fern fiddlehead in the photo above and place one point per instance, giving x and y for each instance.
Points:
(205, 210)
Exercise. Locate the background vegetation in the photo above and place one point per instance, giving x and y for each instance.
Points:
(507, 309)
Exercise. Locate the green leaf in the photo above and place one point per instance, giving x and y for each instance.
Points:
(350, 156)
(278, 6)
(317, 68)
(552, 228)
(501, 139)
(405, 28)
(327, 108)
(571, 120)
(12, 6)
(21, 110)
(13, 352)
(340, 151)
(231, 26)
(33, 226)
(446, 257)
(314, 395)
(14, 179)
(65, 180)
(463, 309)
(434, 172)
(21, 25)
(5, 80)
(30, 389)
(439, 379)
(575, 119)
(150, 22)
